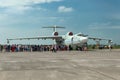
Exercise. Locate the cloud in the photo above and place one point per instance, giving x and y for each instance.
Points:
(17, 10)
(22, 5)
(115, 16)
(65, 9)
(15, 3)
(103, 26)
(45, 1)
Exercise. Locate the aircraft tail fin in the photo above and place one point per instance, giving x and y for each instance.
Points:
(54, 27)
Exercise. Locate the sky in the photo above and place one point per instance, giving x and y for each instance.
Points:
(25, 18)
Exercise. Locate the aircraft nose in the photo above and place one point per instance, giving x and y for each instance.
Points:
(84, 39)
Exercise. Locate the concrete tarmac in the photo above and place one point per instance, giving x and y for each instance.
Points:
(63, 65)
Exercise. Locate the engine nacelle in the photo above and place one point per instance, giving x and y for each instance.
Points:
(70, 34)
(55, 33)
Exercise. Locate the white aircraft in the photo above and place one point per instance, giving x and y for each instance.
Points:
(68, 39)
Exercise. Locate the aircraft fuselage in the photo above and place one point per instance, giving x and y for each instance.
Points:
(71, 40)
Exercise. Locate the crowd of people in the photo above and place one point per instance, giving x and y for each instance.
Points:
(33, 48)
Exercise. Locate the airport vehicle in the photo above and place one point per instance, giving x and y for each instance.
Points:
(67, 39)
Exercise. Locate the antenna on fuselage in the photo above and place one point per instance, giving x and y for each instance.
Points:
(54, 27)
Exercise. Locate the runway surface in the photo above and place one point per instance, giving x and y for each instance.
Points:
(63, 65)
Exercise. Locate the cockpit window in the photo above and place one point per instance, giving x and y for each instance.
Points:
(80, 35)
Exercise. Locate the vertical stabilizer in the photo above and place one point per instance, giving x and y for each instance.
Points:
(54, 27)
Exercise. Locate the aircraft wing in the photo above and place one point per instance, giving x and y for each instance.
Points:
(96, 38)
(93, 38)
(40, 37)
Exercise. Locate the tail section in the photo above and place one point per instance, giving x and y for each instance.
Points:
(54, 27)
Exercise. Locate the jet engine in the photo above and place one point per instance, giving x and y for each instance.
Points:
(55, 34)
(70, 34)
